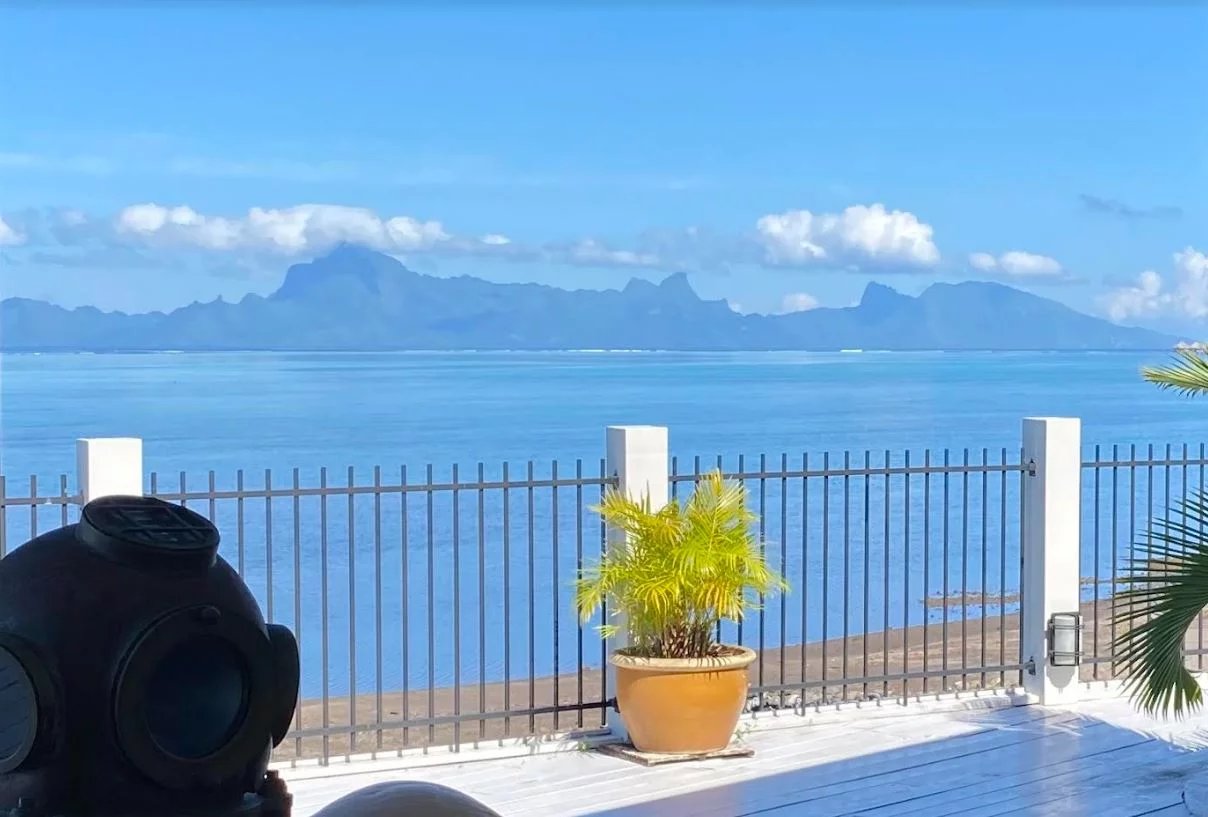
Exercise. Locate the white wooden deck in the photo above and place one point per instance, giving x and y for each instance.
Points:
(976, 757)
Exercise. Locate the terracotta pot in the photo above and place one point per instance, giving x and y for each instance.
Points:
(682, 705)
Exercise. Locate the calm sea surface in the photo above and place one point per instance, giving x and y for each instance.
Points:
(199, 413)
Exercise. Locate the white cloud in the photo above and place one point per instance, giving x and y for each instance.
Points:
(1017, 264)
(983, 261)
(798, 302)
(1150, 297)
(292, 230)
(590, 252)
(789, 304)
(10, 236)
(860, 235)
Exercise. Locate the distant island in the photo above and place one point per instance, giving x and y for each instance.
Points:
(354, 299)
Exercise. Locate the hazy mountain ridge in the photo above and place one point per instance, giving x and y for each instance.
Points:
(357, 299)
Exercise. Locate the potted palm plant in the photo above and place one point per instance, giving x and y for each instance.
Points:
(680, 570)
(1166, 589)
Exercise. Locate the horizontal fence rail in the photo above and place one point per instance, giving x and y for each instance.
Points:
(436, 606)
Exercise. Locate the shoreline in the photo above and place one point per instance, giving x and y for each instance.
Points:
(954, 665)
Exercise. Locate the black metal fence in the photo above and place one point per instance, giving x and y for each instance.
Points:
(437, 608)
(1123, 489)
(428, 611)
(905, 571)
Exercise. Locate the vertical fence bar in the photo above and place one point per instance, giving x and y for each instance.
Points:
(906, 573)
(885, 579)
(805, 570)
(4, 516)
(1115, 542)
(352, 615)
(268, 543)
(696, 481)
(1149, 502)
(63, 501)
(507, 603)
(532, 625)
(1023, 593)
(430, 514)
(1095, 556)
(1183, 513)
(298, 634)
(239, 539)
(482, 605)
(1200, 627)
(33, 506)
(743, 480)
(1132, 511)
(456, 610)
(864, 639)
(846, 567)
(323, 617)
(825, 566)
(926, 557)
(784, 566)
(1002, 570)
(985, 555)
(405, 600)
(944, 588)
(379, 692)
(579, 572)
(604, 696)
(965, 571)
(554, 589)
(763, 516)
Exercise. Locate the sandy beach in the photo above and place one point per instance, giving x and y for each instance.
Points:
(954, 663)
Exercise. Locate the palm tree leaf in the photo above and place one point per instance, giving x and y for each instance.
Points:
(1166, 591)
(1187, 375)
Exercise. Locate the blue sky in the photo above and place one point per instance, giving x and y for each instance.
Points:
(783, 155)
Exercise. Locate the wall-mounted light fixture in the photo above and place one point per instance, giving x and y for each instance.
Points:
(1065, 639)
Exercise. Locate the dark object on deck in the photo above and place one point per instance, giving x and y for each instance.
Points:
(137, 674)
(406, 798)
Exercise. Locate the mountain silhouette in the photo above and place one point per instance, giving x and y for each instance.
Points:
(357, 299)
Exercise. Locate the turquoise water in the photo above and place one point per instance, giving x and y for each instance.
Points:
(199, 413)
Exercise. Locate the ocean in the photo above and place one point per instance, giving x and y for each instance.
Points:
(226, 413)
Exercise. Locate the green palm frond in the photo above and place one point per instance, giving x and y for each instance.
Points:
(680, 569)
(1166, 591)
(1187, 375)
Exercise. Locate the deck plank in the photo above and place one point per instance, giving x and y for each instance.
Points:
(1100, 759)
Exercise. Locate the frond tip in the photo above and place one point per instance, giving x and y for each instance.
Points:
(1187, 375)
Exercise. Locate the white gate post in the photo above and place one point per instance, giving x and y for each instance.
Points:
(1051, 537)
(109, 466)
(638, 457)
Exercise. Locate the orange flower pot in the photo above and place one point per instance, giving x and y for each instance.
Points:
(682, 705)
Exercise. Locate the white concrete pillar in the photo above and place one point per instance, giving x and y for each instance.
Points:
(109, 466)
(1051, 537)
(639, 458)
